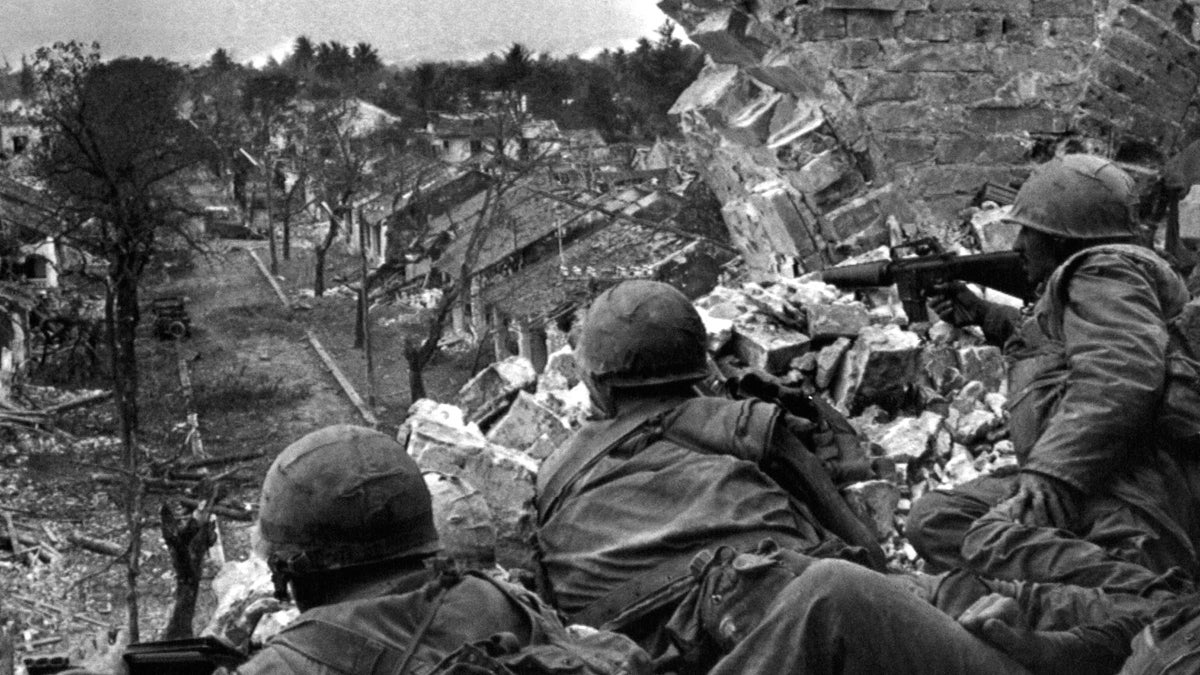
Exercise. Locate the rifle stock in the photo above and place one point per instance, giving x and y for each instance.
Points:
(914, 277)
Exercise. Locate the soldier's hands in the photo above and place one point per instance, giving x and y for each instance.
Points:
(956, 304)
(1042, 501)
(996, 619)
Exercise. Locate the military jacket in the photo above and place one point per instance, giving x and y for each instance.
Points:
(372, 636)
(650, 500)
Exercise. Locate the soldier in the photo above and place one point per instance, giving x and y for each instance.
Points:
(644, 509)
(347, 528)
(1100, 500)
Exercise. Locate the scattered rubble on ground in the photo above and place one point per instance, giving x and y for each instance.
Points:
(931, 401)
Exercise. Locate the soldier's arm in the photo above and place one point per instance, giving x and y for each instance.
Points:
(1115, 341)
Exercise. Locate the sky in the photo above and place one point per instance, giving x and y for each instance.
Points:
(404, 31)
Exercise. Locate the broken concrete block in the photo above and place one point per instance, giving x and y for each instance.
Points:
(969, 397)
(828, 360)
(960, 468)
(832, 321)
(504, 476)
(993, 232)
(525, 423)
(879, 368)
(940, 365)
(561, 371)
(464, 522)
(874, 502)
(805, 363)
(806, 293)
(908, 439)
(767, 347)
(942, 333)
(985, 364)
(489, 392)
(571, 405)
(719, 330)
(722, 36)
(943, 444)
(995, 402)
(974, 426)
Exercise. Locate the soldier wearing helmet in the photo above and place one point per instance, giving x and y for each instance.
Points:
(1099, 500)
(347, 528)
(668, 487)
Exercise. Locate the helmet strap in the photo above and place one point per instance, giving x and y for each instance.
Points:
(601, 396)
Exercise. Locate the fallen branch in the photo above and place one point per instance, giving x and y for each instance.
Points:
(217, 461)
(71, 616)
(80, 402)
(96, 545)
(45, 552)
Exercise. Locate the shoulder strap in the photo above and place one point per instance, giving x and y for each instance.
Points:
(582, 452)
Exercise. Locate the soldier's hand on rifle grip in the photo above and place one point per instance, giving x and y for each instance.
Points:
(956, 304)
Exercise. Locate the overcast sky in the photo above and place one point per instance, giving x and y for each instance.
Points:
(403, 30)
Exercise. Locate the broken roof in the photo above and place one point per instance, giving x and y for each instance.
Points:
(24, 211)
(622, 250)
(534, 209)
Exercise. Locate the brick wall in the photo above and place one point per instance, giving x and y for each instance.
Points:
(818, 121)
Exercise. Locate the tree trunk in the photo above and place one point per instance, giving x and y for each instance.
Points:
(271, 218)
(121, 312)
(416, 379)
(321, 251)
(188, 543)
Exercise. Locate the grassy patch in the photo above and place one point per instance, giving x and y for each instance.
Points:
(268, 318)
(242, 391)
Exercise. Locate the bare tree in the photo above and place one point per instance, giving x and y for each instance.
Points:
(115, 154)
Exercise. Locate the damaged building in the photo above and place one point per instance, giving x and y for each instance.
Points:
(819, 121)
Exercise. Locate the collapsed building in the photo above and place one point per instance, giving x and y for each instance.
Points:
(817, 122)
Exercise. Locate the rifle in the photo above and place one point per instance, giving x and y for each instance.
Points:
(190, 656)
(915, 276)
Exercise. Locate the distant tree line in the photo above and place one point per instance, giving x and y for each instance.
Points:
(625, 94)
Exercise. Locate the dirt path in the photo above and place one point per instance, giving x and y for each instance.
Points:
(258, 386)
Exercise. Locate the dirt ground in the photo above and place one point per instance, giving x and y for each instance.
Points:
(258, 385)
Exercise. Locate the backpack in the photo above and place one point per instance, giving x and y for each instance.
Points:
(553, 649)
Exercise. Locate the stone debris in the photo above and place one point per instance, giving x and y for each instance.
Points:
(829, 359)
(561, 371)
(485, 395)
(875, 501)
(984, 364)
(503, 475)
(528, 422)
(827, 322)
(465, 524)
(909, 439)
(931, 406)
(769, 348)
(879, 368)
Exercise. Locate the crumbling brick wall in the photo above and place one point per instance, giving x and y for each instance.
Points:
(818, 120)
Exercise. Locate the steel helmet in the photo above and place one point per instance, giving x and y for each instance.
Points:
(343, 496)
(1077, 197)
(642, 333)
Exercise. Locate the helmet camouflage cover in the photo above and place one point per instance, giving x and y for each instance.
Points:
(1077, 197)
(642, 333)
(343, 496)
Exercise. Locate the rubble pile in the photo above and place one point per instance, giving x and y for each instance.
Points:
(929, 403)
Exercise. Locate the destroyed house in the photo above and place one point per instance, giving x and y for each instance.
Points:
(26, 220)
(816, 123)
(565, 249)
